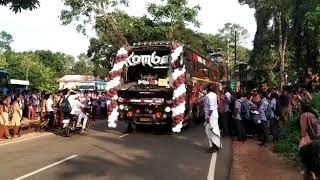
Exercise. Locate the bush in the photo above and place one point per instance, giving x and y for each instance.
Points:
(290, 135)
(316, 102)
(289, 140)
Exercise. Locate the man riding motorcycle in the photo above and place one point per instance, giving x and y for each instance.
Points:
(78, 110)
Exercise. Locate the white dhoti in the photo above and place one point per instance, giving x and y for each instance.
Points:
(212, 130)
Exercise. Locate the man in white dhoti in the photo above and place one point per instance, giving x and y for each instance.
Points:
(211, 117)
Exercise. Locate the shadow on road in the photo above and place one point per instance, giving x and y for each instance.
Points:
(142, 156)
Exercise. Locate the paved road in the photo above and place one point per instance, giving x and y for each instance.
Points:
(110, 154)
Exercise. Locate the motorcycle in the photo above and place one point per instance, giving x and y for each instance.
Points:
(44, 124)
(70, 125)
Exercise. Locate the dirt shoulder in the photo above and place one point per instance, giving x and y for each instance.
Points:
(252, 162)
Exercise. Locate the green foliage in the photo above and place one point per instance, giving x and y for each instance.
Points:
(313, 16)
(96, 13)
(316, 102)
(290, 135)
(41, 68)
(289, 140)
(115, 28)
(232, 33)
(83, 66)
(5, 41)
(27, 65)
(3, 62)
(289, 28)
(176, 13)
(18, 5)
(60, 63)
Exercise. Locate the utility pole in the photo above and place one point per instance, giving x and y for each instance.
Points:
(235, 48)
(27, 76)
(227, 61)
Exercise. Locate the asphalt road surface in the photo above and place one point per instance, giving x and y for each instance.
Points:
(111, 155)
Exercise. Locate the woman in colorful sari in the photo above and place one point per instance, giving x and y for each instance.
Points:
(4, 119)
(16, 118)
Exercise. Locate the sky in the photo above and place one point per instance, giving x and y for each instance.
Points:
(42, 29)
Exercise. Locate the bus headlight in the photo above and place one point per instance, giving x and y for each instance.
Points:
(121, 107)
(167, 109)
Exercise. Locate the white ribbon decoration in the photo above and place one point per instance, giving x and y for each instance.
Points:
(180, 109)
(178, 128)
(113, 117)
(178, 72)
(179, 91)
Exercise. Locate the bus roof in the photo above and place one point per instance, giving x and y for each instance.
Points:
(3, 71)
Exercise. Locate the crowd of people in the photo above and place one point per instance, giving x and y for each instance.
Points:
(256, 114)
(41, 106)
(260, 113)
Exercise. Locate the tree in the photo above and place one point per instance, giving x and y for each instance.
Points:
(287, 38)
(27, 66)
(231, 37)
(18, 5)
(60, 63)
(233, 33)
(5, 40)
(97, 13)
(3, 62)
(83, 66)
(135, 29)
(177, 14)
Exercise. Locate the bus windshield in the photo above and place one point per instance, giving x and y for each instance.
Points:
(136, 73)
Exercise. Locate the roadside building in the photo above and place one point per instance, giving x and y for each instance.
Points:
(19, 85)
(74, 81)
(83, 83)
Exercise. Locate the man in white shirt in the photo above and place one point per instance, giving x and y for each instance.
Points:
(50, 110)
(211, 117)
(77, 107)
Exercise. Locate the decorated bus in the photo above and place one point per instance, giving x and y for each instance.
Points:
(159, 84)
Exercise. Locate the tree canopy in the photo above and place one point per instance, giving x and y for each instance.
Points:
(114, 28)
(176, 13)
(19, 5)
(41, 67)
(5, 41)
(287, 39)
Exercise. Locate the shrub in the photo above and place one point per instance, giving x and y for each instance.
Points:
(316, 102)
(289, 140)
(290, 135)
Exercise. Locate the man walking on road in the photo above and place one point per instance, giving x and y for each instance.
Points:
(211, 117)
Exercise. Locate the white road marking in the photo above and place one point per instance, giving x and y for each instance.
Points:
(26, 139)
(46, 167)
(212, 167)
(125, 135)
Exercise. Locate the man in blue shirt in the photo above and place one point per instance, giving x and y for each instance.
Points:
(239, 120)
(263, 121)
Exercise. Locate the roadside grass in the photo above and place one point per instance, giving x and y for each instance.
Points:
(290, 135)
(289, 140)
